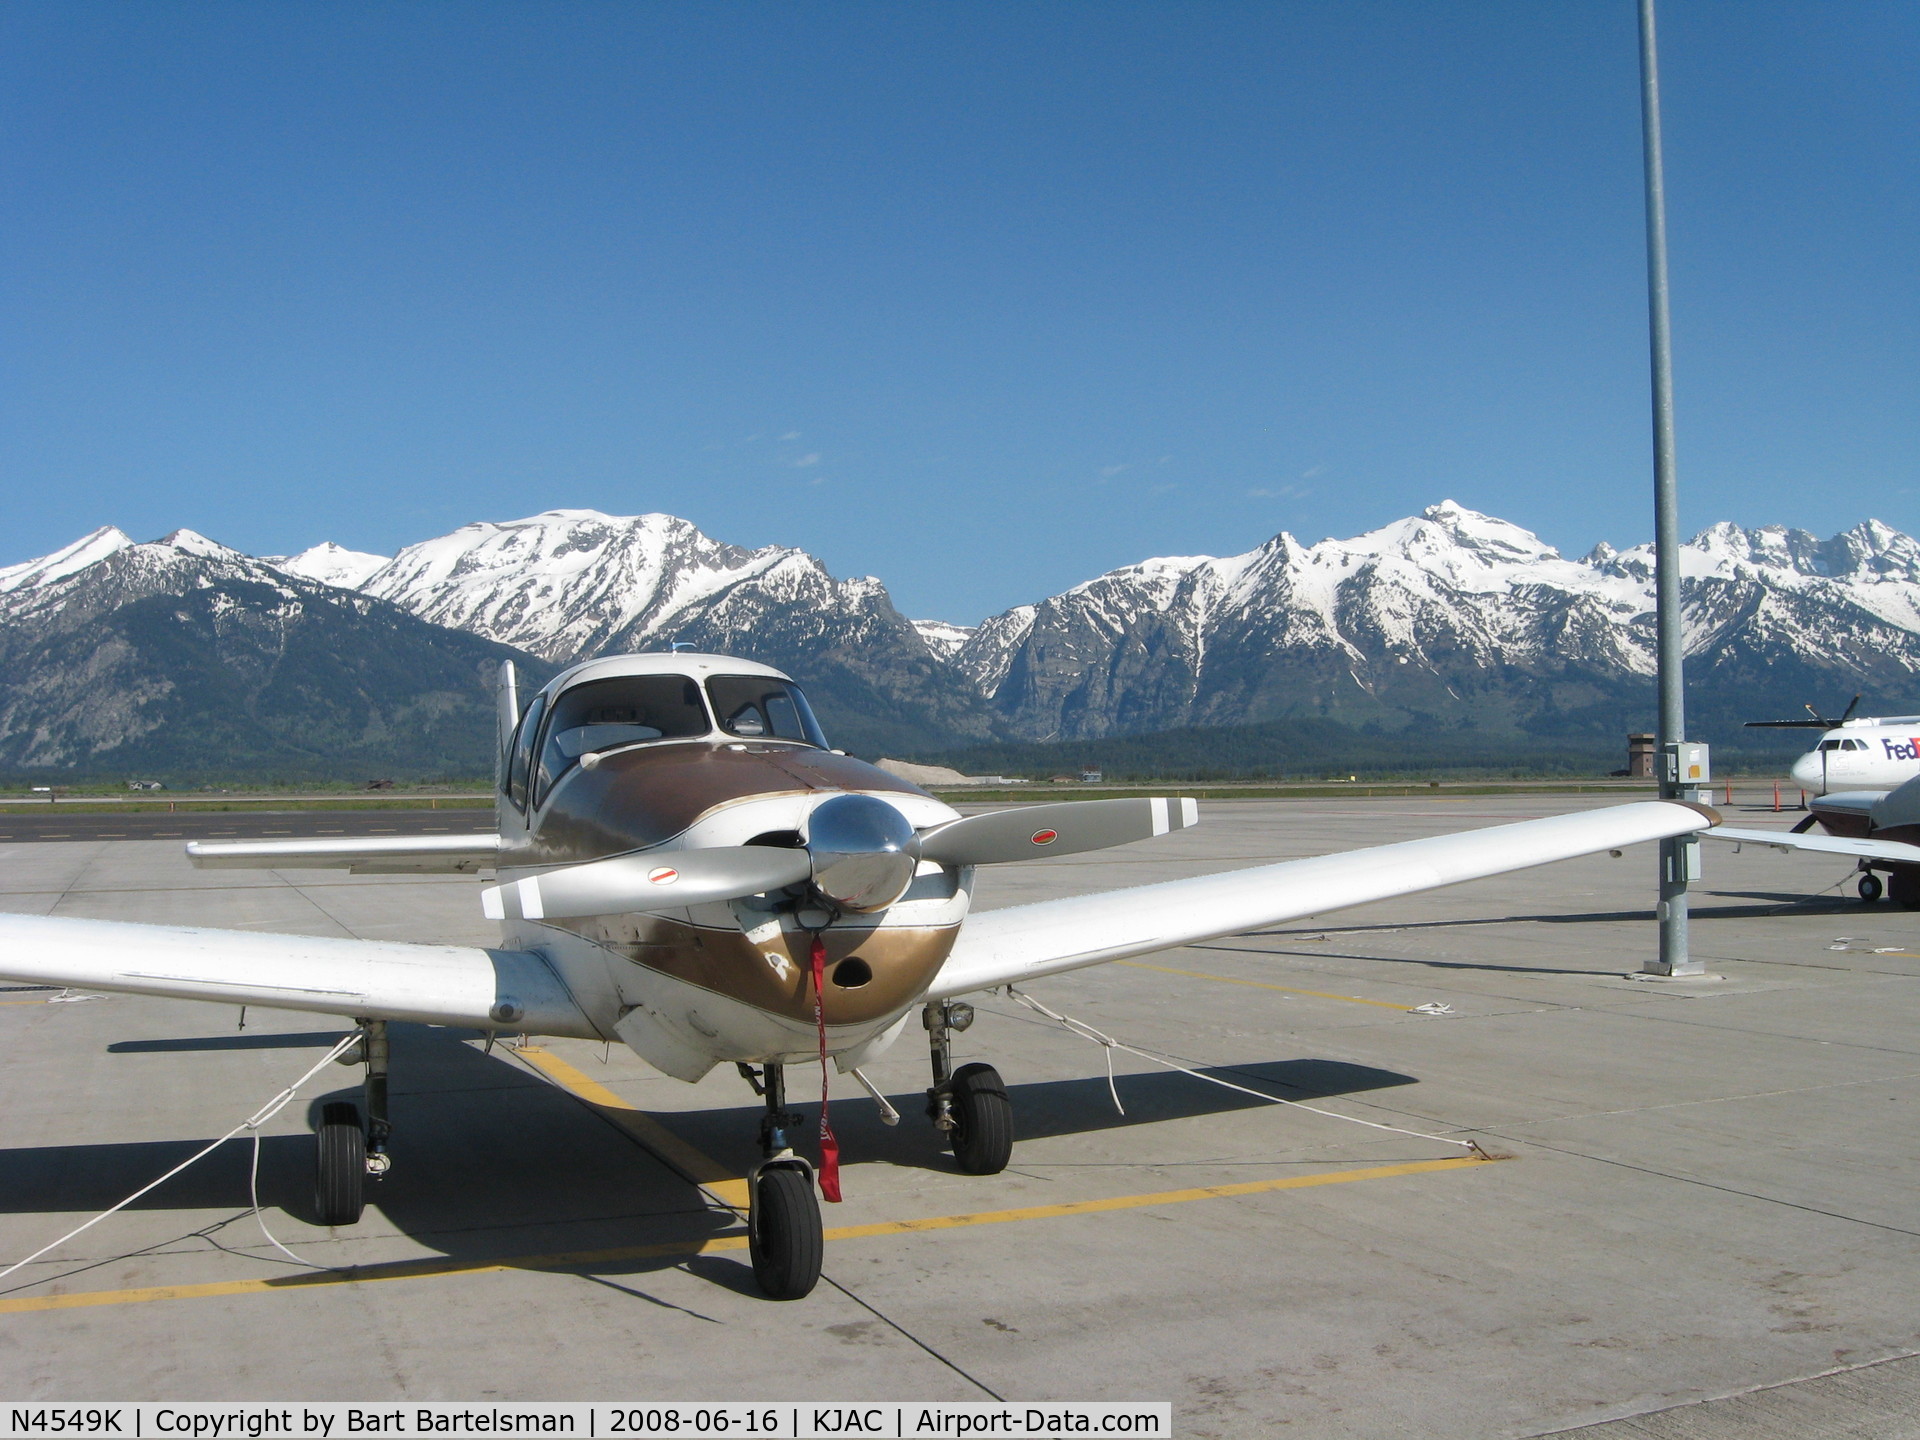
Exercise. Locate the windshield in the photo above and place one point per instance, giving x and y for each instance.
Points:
(622, 711)
(757, 707)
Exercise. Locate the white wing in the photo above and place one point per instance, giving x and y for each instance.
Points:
(375, 979)
(1025, 942)
(363, 855)
(1823, 844)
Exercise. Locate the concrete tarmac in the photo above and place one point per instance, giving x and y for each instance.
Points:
(1704, 1222)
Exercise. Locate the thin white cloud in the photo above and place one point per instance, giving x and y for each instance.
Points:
(806, 461)
(1107, 472)
(791, 435)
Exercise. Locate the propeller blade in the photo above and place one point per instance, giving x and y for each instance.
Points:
(663, 880)
(1066, 828)
(1789, 724)
(1852, 705)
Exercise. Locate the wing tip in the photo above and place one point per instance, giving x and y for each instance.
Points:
(1713, 816)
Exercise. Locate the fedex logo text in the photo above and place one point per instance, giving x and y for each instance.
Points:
(1896, 750)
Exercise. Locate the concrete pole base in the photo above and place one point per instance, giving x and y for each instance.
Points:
(1681, 977)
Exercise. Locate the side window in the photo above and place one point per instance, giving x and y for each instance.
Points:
(520, 763)
(608, 714)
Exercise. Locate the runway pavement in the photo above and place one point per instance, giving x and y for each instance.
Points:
(1705, 1201)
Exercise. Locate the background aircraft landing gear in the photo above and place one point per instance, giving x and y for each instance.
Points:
(1903, 887)
(345, 1152)
(1869, 886)
(784, 1235)
(970, 1105)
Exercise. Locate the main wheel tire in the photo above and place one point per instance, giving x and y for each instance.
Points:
(783, 1233)
(1903, 885)
(982, 1133)
(340, 1165)
(1870, 887)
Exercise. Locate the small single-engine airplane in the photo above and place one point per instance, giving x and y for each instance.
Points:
(1869, 753)
(685, 866)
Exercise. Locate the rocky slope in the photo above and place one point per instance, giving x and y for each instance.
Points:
(1458, 619)
(183, 656)
(1446, 623)
(570, 584)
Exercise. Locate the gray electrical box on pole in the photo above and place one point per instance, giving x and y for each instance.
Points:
(1679, 858)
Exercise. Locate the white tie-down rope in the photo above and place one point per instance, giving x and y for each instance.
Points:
(1108, 1045)
(253, 1122)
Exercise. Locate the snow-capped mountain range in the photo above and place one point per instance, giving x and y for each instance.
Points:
(1438, 612)
(183, 655)
(1449, 618)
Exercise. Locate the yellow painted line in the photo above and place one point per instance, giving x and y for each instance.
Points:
(1263, 985)
(1161, 1197)
(695, 1164)
(424, 1269)
(401, 1270)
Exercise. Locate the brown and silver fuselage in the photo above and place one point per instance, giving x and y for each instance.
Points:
(729, 981)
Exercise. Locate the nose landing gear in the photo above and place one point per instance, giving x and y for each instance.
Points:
(345, 1152)
(970, 1105)
(784, 1237)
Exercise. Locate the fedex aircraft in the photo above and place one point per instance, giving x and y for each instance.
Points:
(1869, 753)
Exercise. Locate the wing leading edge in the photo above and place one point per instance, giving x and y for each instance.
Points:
(361, 854)
(372, 979)
(1025, 942)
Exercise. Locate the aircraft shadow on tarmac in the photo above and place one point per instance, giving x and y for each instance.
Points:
(492, 1163)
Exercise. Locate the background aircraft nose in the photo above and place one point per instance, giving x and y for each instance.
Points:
(1806, 772)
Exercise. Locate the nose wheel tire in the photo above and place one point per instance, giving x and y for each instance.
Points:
(340, 1165)
(982, 1134)
(1869, 887)
(783, 1233)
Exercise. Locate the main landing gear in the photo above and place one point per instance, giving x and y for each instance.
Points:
(1869, 887)
(783, 1216)
(969, 1104)
(345, 1151)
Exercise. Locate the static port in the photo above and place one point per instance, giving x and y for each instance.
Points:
(852, 972)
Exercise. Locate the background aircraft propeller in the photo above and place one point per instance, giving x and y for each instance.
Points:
(1818, 722)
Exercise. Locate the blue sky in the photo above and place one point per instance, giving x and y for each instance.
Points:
(980, 298)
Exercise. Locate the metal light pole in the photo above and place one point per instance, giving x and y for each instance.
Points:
(1678, 857)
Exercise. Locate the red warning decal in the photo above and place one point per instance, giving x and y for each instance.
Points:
(665, 875)
(1045, 837)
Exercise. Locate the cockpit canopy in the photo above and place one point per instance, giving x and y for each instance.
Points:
(609, 712)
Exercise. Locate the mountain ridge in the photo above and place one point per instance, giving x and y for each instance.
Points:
(1450, 620)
